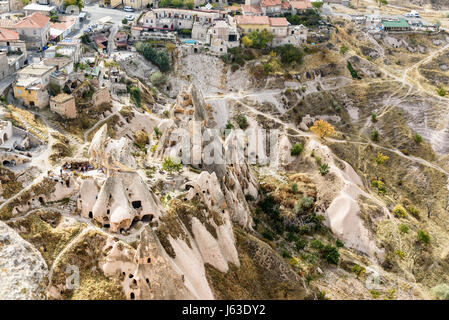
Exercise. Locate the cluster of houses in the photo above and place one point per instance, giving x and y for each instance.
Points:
(376, 22)
(219, 30)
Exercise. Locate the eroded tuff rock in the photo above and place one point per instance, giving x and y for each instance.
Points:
(123, 196)
(22, 268)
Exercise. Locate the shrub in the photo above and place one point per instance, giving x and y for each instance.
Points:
(300, 244)
(343, 49)
(249, 197)
(381, 158)
(373, 117)
(140, 139)
(294, 187)
(157, 132)
(399, 211)
(339, 243)
(171, 165)
(296, 149)
(286, 254)
(316, 244)
(441, 92)
(403, 228)
(229, 126)
(400, 254)
(267, 234)
(441, 291)
(358, 270)
(305, 204)
(330, 254)
(414, 212)
(375, 294)
(242, 121)
(323, 169)
(380, 186)
(124, 21)
(418, 138)
(375, 135)
(134, 93)
(352, 71)
(423, 237)
(158, 78)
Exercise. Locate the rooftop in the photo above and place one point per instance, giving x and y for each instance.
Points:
(34, 20)
(270, 3)
(8, 35)
(61, 98)
(395, 23)
(39, 7)
(301, 4)
(278, 22)
(28, 82)
(251, 9)
(7, 23)
(60, 61)
(35, 70)
(252, 20)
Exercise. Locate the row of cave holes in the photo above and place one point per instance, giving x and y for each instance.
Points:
(132, 296)
(188, 187)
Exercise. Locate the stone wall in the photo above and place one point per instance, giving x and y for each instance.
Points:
(101, 96)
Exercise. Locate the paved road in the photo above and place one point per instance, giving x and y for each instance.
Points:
(116, 15)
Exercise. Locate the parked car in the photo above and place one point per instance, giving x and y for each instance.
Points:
(128, 9)
(129, 17)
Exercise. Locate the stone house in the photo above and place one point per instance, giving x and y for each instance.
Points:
(137, 4)
(34, 30)
(31, 85)
(64, 105)
(31, 92)
(299, 6)
(15, 50)
(176, 19)
(67, 47)
(271, 7)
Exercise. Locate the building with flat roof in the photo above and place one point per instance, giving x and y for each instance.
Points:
(395, 24)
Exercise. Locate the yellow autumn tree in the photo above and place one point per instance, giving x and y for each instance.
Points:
(322, 128)
(247, 42)
(381, 158)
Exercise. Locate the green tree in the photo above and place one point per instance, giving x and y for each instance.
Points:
(189, 4)
(317, 5)
(164, 3)
(289, 54)
(177, 3)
